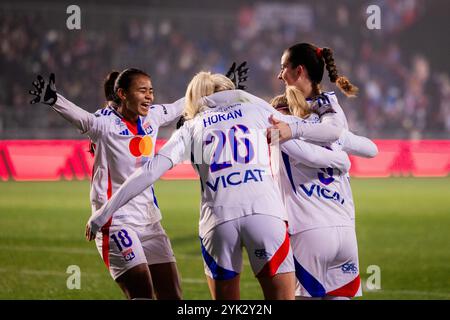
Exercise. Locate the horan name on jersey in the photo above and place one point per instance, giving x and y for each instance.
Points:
(234, 114)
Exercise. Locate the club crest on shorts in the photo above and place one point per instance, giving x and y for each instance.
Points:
(128, 254)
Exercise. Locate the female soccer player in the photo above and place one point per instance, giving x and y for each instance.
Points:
(240, 199)
(99, 180)
(321, 213)
(133, 244)
(302, 66)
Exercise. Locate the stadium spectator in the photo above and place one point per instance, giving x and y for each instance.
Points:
(378, 61)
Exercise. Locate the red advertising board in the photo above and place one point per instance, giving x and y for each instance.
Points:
(50, 160)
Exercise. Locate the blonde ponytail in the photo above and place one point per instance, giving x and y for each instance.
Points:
(203, 84)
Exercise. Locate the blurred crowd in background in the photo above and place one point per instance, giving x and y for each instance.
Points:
(404, 91)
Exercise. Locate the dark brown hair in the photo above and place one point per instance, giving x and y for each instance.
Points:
(108, 87)
(125, 78)
(315, 59)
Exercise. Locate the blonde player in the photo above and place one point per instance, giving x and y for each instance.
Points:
(321, 213)
(133, 244)
(240, 199)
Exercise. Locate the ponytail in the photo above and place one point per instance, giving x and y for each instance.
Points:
(341, 82)
(297, 102)
(108, 87)
(203, 84)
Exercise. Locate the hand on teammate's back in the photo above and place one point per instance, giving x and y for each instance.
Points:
(238, 75)
(279, 131)
(45, 90)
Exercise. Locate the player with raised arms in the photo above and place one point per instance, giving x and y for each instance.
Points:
(240, 197)
(133, 243)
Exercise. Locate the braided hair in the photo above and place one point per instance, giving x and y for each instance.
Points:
(315, 59)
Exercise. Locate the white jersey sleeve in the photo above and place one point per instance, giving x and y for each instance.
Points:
(134, 185)
(86, 122)
(315, 156)
(327, 107)
(80, 118)
(332, 120)
(320, 132)
(358, 145)
(167, 113)
(178, 148)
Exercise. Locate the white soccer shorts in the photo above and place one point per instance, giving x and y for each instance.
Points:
(123, 247)
(326, 262)
(267, 242)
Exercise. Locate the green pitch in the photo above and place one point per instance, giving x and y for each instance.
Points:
(402, 226)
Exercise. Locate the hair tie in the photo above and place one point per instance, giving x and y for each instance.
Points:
(319, 52)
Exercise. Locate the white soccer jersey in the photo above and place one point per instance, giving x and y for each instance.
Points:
(226, 142)
(318, 197)
(233, 160)
(99, 180)
(227, 145)
(329, 110)
(315, 197)
(126, 147)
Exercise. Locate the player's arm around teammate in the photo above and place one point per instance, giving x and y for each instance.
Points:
(270, 253)
(302, 66)
(293, 103)
(323, 271)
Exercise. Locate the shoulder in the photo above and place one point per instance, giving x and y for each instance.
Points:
(106, 111)
(159, 108)
(107, 117)
(324, 103)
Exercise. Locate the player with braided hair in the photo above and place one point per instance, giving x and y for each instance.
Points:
(302, 66)
(321, 272)
(321, 211)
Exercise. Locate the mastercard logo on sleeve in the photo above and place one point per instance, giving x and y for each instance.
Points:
(141, 146)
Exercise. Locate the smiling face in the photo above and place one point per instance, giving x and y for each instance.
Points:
(287, 74)
(138, 99)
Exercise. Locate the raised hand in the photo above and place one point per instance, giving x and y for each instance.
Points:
(238, 75)
(45, 90)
